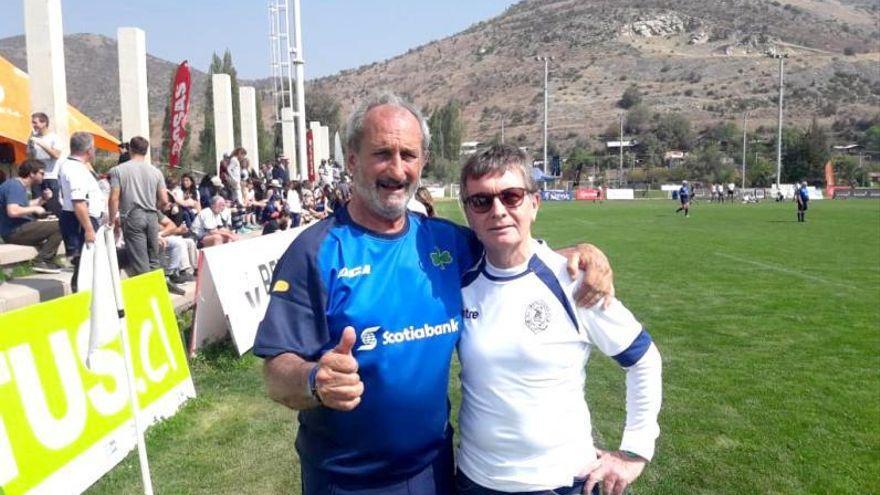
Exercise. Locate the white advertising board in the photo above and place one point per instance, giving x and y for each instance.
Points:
(619, 194)
(233, 288)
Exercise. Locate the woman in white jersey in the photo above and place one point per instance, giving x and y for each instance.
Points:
(524, 421)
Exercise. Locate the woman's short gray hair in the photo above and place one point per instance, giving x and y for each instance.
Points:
(496, 160)
(355, 129)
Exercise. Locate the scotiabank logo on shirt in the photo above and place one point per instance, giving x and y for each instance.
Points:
(408, 334)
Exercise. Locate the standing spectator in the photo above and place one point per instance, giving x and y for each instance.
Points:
(234, 169)
(43, 146)
(344, 187)
(17, 223)
(731, 187)
(82, 202)
(294, 202)
(279, 170)
(212, 224)
(802, 196)
(138, 193)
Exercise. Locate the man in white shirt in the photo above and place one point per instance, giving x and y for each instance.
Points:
(212, 225)
(44, 146)
(82, 201)
(234, 170)
(524, 422)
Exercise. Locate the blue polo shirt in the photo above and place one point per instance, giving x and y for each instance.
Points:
(12, 191)
(402, 294)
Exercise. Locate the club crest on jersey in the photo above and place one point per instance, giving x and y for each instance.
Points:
(441, 258)
(537, 316)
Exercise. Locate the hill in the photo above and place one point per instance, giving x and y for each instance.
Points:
(707, 60)
(91, 62)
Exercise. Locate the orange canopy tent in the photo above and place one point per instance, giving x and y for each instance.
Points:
(15, 114)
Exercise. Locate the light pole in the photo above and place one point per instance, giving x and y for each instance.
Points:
(620, 147)
(745, 123)
(546, 61)
(781, 58)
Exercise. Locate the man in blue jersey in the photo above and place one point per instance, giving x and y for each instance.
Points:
(684, 195)
(364, 314)
(802, 196)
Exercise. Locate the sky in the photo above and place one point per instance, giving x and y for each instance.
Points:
(337, 34)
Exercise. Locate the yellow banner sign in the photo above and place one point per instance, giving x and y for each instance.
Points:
(62, 425)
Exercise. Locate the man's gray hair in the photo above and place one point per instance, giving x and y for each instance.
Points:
(355, 129)
(496, 160)
(81, 142)
(216, 199)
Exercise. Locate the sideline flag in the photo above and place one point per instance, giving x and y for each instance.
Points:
(97, 264)
(106, 321)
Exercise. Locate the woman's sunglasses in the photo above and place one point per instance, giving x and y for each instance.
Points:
(511, 197)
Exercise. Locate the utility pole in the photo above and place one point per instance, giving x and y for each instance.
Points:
(546, 61)
(620, 146)
(298, 62)
(745, 123)
(502, 129)
(779, 124)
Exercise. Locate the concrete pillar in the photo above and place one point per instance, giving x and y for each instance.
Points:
(133, 95)
(247, 97)
(288, 141)
(44, 37)
(325, 143)
(224, 139)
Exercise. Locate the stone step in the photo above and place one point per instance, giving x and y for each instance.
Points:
(11, 254)
(23, 291)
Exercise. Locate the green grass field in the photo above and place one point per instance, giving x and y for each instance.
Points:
(769, 331)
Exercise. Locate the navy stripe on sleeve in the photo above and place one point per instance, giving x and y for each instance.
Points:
(635, 351)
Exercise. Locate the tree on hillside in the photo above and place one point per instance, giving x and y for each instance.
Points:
(447, 129)
(871, 138)
(674, 131)
(848, 171)
(804, 153)
(265, 139)
(207, 154)
(229, 68)
(630, 98)
(760, 172)
(638, 119)
(323, 107)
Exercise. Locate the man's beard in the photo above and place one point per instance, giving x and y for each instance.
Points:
(371, 193)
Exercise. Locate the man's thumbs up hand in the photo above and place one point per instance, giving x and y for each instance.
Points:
(337, 382)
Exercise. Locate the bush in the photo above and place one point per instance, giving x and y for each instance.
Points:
(849, 51)
(630, 98)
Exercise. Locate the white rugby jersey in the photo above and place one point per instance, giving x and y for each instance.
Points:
(524, 421)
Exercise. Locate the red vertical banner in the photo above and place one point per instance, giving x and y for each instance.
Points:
(310, 150)
(180, 94)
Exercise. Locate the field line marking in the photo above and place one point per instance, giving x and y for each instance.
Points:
(787, 271)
